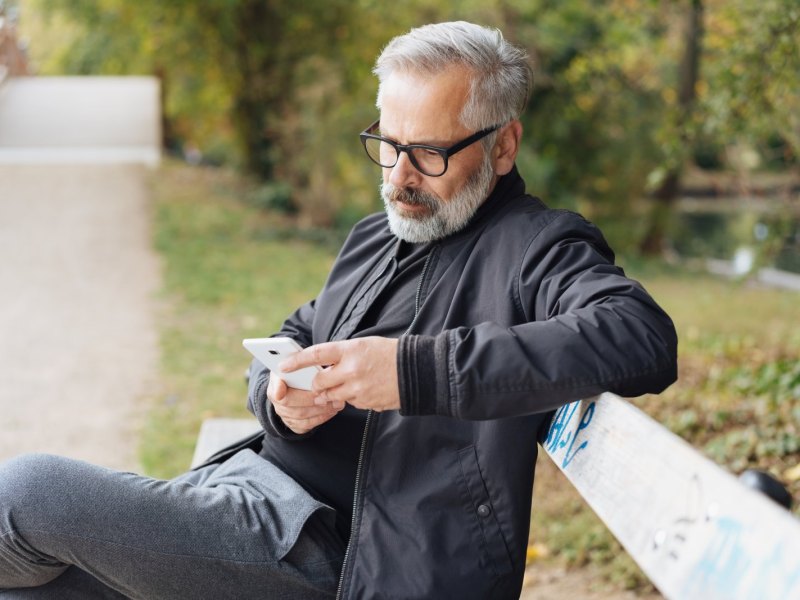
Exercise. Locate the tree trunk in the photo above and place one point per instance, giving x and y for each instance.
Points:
(261, 86)
(653, 242)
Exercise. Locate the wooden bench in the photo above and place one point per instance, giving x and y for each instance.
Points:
(694, 529)
(216, 434)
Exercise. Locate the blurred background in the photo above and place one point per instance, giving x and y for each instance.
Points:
(673, 124)
(679, 113)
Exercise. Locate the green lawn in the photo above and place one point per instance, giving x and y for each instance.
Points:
(232, 271)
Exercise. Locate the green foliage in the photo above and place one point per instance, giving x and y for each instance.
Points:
(751, 67)
(274, 196)
(575, 536)
(769, 426)
(591, 116)
(282, 88)
(778, 381)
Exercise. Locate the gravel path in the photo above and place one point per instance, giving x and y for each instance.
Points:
(78, 339)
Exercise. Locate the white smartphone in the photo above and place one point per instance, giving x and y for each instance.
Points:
(271, 351)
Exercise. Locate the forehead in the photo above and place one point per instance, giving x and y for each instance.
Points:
(420, 107)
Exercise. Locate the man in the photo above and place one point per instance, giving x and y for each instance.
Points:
(449, 329)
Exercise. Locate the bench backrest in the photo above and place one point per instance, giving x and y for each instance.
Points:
(693, 528)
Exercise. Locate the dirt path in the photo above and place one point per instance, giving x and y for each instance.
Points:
(78, 341)
(545, 582)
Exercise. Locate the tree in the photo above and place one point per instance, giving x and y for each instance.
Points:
(668, 188)
(752, 61)
(250, 49)
(618, 110)
(621, 103)
(599, 71)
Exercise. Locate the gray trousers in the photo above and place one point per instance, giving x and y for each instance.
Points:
(241, 529)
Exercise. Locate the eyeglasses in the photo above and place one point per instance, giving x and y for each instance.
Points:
(428, 160)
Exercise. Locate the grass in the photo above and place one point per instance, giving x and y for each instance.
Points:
(739, 372)
(233, 271)
(230, 272)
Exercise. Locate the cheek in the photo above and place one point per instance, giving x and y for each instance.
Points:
(458, 172)
(448, 185)
(442, 190)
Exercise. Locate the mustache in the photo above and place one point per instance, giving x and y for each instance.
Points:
(410, 196)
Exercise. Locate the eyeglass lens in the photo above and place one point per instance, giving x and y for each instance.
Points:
(429, 162)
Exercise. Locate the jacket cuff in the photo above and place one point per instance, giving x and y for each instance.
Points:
(422, 375)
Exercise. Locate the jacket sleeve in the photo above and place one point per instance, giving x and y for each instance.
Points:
(297, 327)
(587, 329)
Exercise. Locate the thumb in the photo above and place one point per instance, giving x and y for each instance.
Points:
(279, 388)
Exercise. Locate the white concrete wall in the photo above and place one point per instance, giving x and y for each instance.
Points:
(80, 120)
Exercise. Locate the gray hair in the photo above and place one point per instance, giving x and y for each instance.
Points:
(501, 80)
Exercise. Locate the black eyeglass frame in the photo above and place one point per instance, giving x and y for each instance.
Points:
(445, 153)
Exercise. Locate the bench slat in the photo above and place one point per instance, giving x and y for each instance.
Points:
(216, 434)
(693, 528)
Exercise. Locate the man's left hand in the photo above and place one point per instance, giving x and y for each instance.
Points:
(361, 372)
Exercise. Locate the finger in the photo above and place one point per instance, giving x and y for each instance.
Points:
(321, 355)
(328, 378)
(302, 412)
(306, 425)
(277, 389)
(296, 398)
(325, 399)
(338, 395)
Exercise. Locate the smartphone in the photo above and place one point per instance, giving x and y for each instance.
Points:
(271, 351)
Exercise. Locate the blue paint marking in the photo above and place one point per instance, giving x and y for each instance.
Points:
(720, 570)
(559, 436)
(728, 563)
(558, 426)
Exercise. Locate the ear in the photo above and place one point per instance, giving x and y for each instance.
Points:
(506, 147)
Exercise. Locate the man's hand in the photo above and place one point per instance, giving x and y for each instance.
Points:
(361, 372)
(297, 408)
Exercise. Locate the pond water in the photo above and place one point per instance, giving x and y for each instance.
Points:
(747, 236)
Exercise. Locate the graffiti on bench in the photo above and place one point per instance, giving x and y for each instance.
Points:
(564, 435)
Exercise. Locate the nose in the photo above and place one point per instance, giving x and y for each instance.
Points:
(403, 174)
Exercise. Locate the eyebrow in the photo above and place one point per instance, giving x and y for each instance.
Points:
(437, 143)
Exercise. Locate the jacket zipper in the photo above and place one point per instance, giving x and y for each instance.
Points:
(362, 451)
(419, 290)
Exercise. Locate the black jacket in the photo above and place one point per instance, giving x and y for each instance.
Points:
(517, 314)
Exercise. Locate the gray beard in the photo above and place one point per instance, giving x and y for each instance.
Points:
(443, 217)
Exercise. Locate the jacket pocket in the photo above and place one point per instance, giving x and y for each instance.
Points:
(492, 541)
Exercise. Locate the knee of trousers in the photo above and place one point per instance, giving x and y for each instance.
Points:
(28, 492)
(29, 487)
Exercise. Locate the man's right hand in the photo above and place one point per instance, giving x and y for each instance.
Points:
(296, 408)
